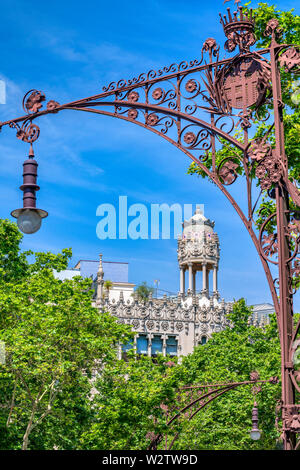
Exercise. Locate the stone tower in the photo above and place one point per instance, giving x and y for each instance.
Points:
(198, 251)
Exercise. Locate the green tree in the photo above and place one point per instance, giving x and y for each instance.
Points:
(107, 285)
(54, 340)
(133, 397)
(143, 291)
(130, 403)
(230, 356)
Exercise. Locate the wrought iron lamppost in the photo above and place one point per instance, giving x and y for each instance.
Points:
(198, 106)
(29, 218)
(255, 432)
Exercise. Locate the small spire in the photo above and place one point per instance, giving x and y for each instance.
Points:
(100, 268)
(198, 209)
(100, 262)
(31, 152)
(241, 12)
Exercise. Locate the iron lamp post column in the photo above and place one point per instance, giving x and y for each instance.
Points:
(285, 314)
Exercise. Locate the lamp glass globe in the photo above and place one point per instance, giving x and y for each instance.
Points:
(29, 221)
(255, 435)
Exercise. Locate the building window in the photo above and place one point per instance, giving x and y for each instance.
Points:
(156, 346)
(171, 346)
(203, 340)
(142, 345)
(125, 348)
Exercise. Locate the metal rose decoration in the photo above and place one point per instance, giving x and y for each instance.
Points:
(227, 171)
(132, 113)
(157, 94)
(270, 244)
(259, 150)
(189, 138)
(210, 46)
(133, 96)
(152, 119)
(292, 418)
(191, 86)
(290, 60)
(268, 172)
(273, 29)
(268, 169)
(52, 105)
(254, 376)
(296, 268)
(32, 101)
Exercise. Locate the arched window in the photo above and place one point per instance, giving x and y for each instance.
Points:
(203, 340)
(156, 346)
(171, 346)
(142, 345)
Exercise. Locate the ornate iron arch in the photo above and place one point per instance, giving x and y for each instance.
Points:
(193, 399)
(203, 106)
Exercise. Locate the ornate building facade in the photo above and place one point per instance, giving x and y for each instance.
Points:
(169, 325)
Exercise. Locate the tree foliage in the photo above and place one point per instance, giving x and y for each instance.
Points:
(132, 396)
(63, 387)
(143, 291)
(230, 356)
(54, 339)
(129, 404)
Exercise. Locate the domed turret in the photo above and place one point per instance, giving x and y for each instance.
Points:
(198, 250)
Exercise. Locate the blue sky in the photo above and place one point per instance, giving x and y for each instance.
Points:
(69, 50)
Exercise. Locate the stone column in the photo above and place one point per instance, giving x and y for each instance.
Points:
(207, 279)
(204, 277)
(194, 282)
(100, 282)
(190, 277)
(182, 281)
(215, 279)
(164, 351)
(149, 344)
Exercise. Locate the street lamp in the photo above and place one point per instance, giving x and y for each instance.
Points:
(29, 218)
(255, 432)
